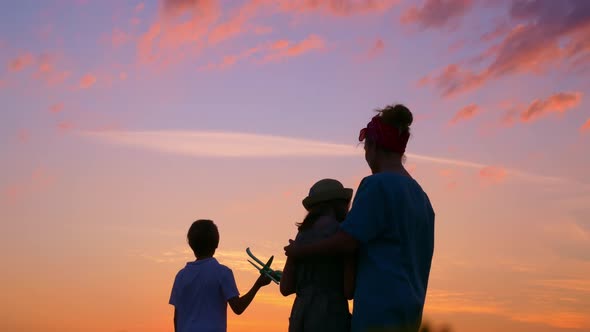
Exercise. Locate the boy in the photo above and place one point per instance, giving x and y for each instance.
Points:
(203, 288)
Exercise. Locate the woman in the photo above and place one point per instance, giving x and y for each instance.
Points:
(391, 223)
(322, 284)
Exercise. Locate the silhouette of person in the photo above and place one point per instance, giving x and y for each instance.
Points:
(391, 223)
(322, 284)
(203, 288)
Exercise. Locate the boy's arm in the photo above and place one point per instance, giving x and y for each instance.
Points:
(287, 285)
(239, 303)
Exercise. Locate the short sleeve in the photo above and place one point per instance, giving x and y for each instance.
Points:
(228, 284)
(366, 219)
(175, 290)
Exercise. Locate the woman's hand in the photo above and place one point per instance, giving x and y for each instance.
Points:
(293, 249)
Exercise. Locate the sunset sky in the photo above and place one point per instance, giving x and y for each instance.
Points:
(124, 121)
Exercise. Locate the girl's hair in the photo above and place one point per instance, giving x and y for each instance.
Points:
(337, 207)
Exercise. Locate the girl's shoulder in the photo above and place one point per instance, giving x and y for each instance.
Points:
(323, 226)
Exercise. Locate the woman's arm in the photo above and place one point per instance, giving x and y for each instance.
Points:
(175, 319)
(349, 276)
(287, 284)
(338, 244)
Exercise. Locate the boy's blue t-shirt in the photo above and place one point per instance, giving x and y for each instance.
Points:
(393, 220)
(200, 294)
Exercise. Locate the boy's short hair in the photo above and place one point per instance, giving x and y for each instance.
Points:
(203, 237)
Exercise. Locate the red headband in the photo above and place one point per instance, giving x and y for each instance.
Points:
(385, 135)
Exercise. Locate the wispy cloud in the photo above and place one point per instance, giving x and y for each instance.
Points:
(559, 103)
(237, 260)
(23, 135)
(437, 14)
(21, 62)
(531, 45)
(564, 320)
(244, 145)
(312, 42)
(451, 301)
(223, 144)
(337, 7)
(39, 180)
(465, 113)
(377, 48)
(493, 174)
(56, 108)
(87, 81)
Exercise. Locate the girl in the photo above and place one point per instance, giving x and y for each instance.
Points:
(322, 284)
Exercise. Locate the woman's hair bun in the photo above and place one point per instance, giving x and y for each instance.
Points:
(398, 116)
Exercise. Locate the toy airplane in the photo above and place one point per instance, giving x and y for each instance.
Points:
(274, 275)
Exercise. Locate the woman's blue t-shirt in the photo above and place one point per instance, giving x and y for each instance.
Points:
(393, 220)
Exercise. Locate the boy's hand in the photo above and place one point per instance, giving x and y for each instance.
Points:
(263, 280)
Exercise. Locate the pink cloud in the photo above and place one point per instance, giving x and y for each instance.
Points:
(465, 113)
(226, 62)
(140, 6)
(65, 126)
(558, 103)
(119, 38)
(424, 81)
(175, 8)
(454, 79)
(312, 42)
(262, 30)
(452, 185)
(87, 81)
(493, 174)
(184, 27)
(122, 76)
(500, 31)
(23, 135)
(145, 44)
(39, 179)
(437, 13)
(181, 26)
(586, 126)
(377, 48)
(337, 7)
(56, 108)
(47, 71)
(543, 34)
(280, 44)
(45, 32)
(509, 118)
(21, 62)
(236, 24)
(230, 60)
(13, 193)
(447, 172)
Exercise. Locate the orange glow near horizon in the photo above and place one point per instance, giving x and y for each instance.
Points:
(123, 122)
